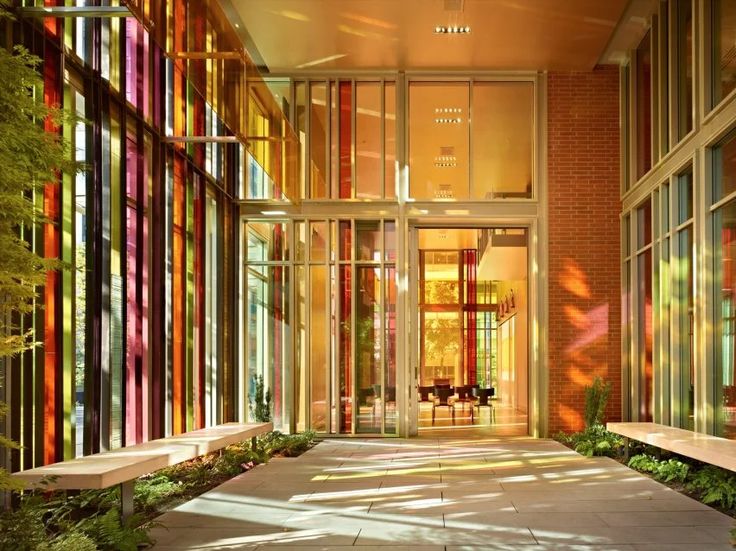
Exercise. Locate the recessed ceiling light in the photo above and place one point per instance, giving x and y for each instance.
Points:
(446, 120)
(445, 161)
(453, 29)
(448, 110)
(273, 212)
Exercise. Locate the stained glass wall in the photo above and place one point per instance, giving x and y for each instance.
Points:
(137, 337)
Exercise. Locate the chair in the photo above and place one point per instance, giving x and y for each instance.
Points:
(483, 395)
(465, 396)
(442, 399)
(364, 394)
(424, 393)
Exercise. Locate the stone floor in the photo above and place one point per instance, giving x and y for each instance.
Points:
(437, 493)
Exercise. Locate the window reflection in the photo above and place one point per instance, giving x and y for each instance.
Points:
(643, 107)
(502, 139)
(438, 140)
(724, 50)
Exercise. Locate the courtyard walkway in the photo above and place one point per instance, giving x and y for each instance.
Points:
(430, 494)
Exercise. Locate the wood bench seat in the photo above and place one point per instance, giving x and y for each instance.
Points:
(124, 465)
(703, 447)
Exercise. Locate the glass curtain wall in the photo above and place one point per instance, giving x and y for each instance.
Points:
(344, 335)
(724, 284)
(347, 130)
(691, 271)
(127, 355)
(643, 375)
(456, 156)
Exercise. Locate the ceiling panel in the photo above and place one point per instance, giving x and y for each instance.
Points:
(399, 34)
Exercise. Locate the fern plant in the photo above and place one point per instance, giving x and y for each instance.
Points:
(110, 534)
(715, 485)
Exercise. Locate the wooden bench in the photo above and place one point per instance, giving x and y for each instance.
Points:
(703, 447)
(124, 465)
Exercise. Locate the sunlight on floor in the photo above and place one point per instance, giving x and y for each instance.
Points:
(489, 491)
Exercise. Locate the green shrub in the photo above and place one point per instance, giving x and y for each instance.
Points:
(671, 470)
(593, 441)
(153, 489)
(596, 398)
(287, 445)
(643, 463)
(714, 485)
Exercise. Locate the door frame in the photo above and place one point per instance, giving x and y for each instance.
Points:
(537, 309)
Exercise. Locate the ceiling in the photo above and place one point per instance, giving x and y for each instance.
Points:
(317, 35)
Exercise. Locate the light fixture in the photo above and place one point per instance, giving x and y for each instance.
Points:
(448, 120)
(445, 161)
(452, 29)
(273, 212)
(439, 110)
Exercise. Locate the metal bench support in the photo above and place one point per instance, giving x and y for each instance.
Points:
(127, 491)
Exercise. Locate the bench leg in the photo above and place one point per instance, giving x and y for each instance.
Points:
(126, 498)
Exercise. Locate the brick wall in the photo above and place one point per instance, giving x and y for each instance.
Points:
(584, 207)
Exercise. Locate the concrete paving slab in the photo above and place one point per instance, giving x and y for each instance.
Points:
(510, 494)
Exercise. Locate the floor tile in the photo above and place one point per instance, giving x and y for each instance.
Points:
(443, 494)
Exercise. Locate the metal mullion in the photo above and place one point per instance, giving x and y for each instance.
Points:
(382, 309)
(382, 86)
(723, 202)
(336, 185)
(635, 363)
(353, 303)
(470, 140)
(673, 73)
(328, 336)
(291, 403)
(328, 142)
(308, 138)
(335, 350)
(353, 123)
(655, 88)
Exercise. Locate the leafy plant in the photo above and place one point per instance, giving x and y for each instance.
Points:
(596, 398)
(151, 490)
(288, 445)
(643, 463)
(110, 534)
(32, 155)
(260, 406)
(670, 470)
(594, 440)
(714, 485)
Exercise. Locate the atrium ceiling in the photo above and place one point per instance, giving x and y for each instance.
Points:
(284, 36)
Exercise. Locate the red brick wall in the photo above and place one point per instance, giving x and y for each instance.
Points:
(584, 268)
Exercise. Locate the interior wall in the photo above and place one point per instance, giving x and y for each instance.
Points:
(513, 347)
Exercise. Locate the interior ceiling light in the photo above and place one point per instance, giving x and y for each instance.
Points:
(452, 29)
(439, 110)
(448, 120)
(445, 161)
(444, 192)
